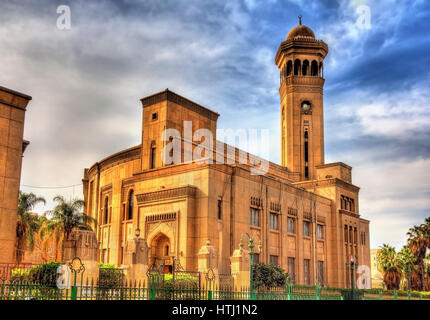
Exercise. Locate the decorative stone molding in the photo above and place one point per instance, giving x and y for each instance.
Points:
(276, 207)
(106, 189)
(256, 202)
(349, 213)
(293, 211)
(187, 191)
(154, 218)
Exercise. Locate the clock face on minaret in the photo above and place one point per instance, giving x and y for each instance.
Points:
(300, 59)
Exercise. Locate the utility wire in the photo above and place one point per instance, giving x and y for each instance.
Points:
(65, 187)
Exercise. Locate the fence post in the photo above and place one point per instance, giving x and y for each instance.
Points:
(395, 295)
(209, 294)
(318, 292)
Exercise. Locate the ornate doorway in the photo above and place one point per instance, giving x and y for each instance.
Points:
(160, 252)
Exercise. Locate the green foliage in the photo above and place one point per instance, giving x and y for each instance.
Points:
(65, 217)
(266, 276)
(182, 281)
(45, 273)
(28, 223)
(20, 274)
(110, 276)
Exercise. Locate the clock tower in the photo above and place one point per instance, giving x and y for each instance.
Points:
(300, 61)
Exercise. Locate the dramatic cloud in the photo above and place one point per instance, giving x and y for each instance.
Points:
(86, 83)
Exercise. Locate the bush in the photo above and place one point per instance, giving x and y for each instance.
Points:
(45, 273)
(110, 276)
(267, 276)
(182, 281)
(20, 274)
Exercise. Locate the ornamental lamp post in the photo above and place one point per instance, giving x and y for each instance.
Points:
(251, 253)
(351, 261)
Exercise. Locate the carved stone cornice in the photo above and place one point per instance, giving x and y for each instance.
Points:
(327, 183)
(186, 191)
(349, 213)
(106, 188)
(168, 95)
(119, 157)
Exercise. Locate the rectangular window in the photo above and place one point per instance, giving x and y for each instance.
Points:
(355, 236)
(153, 157)
(345, 233)
(254, 217)
(292, 268)
(90, 199)
(219, 209)
(321, 272)
(274, 260)
(256, 258)
(306, 229)
(291, 226)
(104, 255)
(307, 271)
(320, 234)
(273, 221)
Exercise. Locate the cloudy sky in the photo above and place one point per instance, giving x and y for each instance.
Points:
(86, 83)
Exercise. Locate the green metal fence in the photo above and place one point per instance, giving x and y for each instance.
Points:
(128, 290)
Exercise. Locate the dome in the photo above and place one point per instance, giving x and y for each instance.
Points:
(300, 31)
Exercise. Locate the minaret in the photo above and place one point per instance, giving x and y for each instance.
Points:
(300, 61)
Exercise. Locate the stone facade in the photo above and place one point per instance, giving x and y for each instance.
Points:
(305, 212)
(12, 113)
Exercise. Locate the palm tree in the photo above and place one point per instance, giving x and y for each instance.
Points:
(406, 260)
(27, 224)
(64, 218)
(419, 241)
(389, 264)
(427, 272)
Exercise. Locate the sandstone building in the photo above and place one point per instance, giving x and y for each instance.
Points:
(305, 211)
(12, 111)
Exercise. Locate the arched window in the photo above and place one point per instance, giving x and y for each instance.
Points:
(305, 68)
(314, 68)
(321, 70)
(289, 68)
(130, 205)
(296, 67)
(106, 211)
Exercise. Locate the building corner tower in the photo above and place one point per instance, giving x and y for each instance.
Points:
(300, 61)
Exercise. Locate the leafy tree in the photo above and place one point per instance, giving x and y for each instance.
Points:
(268, 276)
(28, 223)
(64, 218)
(419, 241)
(406, 260)
(387, 260)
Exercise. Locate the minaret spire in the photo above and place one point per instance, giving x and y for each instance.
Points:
(300, 19)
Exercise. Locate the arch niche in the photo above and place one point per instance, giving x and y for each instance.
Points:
(161, 251)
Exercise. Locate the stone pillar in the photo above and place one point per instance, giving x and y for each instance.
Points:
(240, 268)
(12, 110)
(136, 259)
(207, 259)
(84, 245)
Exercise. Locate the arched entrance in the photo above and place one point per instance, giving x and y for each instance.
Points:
(160, 252)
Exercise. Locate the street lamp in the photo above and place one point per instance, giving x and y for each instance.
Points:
(251, 252)
(351, 261)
